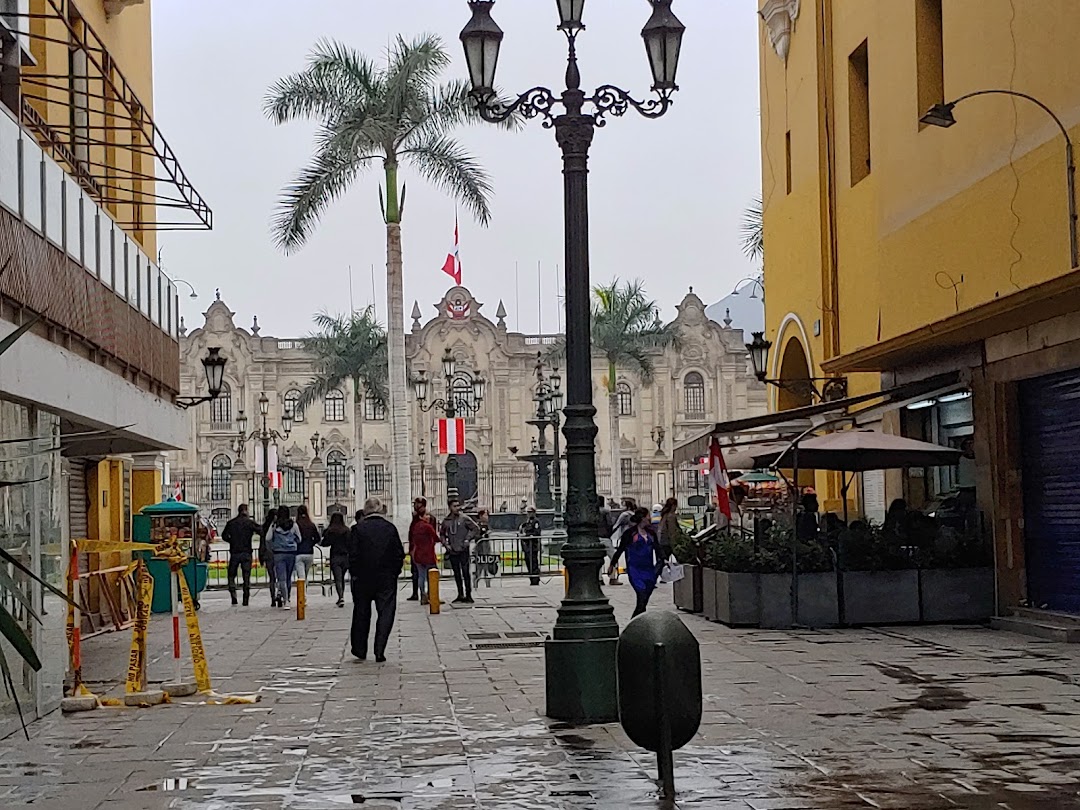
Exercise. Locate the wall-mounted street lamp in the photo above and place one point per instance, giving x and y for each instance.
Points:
(189, 286)
(941, 115)
(754, 283)
(832, 388)
(214, 366)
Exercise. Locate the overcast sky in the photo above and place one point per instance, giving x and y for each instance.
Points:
(667, 196)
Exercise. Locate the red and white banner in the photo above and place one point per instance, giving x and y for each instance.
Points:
(451, 436)
(452, 265)
(277, 480)
(718, 477)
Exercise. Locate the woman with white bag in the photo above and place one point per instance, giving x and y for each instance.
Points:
(643, 557)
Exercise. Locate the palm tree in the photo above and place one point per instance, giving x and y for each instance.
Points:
(349, 348)
(626, 329)
(394, 113)
(753, 231)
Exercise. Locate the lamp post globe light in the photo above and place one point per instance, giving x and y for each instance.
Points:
(214, 368)
(265, 435)
(580, 657)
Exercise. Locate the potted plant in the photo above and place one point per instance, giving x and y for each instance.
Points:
(730, 579)
(816, 582)
(880, 577)
(956, 582)
(688, 590)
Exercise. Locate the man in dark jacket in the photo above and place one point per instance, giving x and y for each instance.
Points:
(530, 543)
(238, 533)
(376, 557)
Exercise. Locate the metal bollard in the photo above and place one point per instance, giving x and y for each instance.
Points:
(433, 591)
(301, 599)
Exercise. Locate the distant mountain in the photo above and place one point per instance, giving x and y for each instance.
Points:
(747, 313)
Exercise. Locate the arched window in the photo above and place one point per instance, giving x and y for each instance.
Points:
(221, 408)
(694, 393)
(625, 398)
(337, 480)
(291, 398)
(219, 477)
(334, 406)
(374, 410)
(461, 391)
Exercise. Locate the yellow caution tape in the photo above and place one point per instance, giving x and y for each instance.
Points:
(198, 652)
(136, 675)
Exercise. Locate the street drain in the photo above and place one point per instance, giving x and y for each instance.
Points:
(364, 798)
(508, 645)
(180, 783)
(481, 636)
(524, 634)
(588, 794)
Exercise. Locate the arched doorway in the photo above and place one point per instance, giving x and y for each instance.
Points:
(793, 369)
(462, 472)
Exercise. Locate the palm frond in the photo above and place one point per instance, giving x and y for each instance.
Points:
(626, 326)
(323, 181)
(412, 67)
(753, 231)
(347, 347)
(446, 165)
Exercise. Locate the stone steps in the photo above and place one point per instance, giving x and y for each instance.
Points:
(1045, 624)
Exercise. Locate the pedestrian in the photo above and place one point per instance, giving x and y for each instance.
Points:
(643, 560)
(484, 565)
(238, 533)
(266, 554)
(420, 511)
(422, 540)
(454, 534)
(305, 549)
(669, 526)
(622, 523)
(530, 544)
(336, 537)
(284, 540)
(375, 561)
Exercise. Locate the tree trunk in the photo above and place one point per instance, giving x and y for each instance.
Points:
(399, 406)
(614, 439)
(359, 488)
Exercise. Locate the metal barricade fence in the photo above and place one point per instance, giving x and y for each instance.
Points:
(499, 555)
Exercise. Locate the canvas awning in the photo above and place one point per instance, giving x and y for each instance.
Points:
(791, 423)
(859, 451)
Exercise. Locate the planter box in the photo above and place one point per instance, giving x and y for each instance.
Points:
(957, 594)
(688, 590)
(736, 602)
(708, 593)
(881, 597)
(817, 601)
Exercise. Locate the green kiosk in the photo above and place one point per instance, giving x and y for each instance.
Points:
(158, 523)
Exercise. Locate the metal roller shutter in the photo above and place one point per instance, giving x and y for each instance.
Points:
(1050, 424)
(78, 499)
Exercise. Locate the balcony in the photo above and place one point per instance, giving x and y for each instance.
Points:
(74, 194)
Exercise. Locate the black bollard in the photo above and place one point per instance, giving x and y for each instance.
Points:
(660, 689)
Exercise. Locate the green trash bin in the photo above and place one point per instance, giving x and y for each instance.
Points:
(196, 574)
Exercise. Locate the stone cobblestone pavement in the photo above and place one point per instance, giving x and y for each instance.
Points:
(918, 718)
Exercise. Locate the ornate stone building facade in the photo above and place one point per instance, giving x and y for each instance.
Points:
(705, 380)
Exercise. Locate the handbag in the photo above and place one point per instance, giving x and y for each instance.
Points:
(672, 571)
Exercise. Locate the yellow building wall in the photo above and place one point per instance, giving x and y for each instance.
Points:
(146, 487)
(127, 38)
(947, 219)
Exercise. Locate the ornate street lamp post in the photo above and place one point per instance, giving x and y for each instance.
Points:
(214, 368)
(452, 404)
(264, 435)
(580, 658)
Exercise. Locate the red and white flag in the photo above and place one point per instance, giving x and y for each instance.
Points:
(277, 480)
(718, 477)
(452, 265)
(451, 437)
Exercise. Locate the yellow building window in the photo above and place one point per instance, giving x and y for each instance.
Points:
(929, 55)
(859, 112)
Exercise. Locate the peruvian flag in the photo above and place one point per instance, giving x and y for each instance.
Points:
(452, 265)
(451, 437)
(277, 480)
(718, 477)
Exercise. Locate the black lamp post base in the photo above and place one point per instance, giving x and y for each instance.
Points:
(581, 680)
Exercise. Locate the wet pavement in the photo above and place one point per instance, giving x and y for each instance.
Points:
(916, 718)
